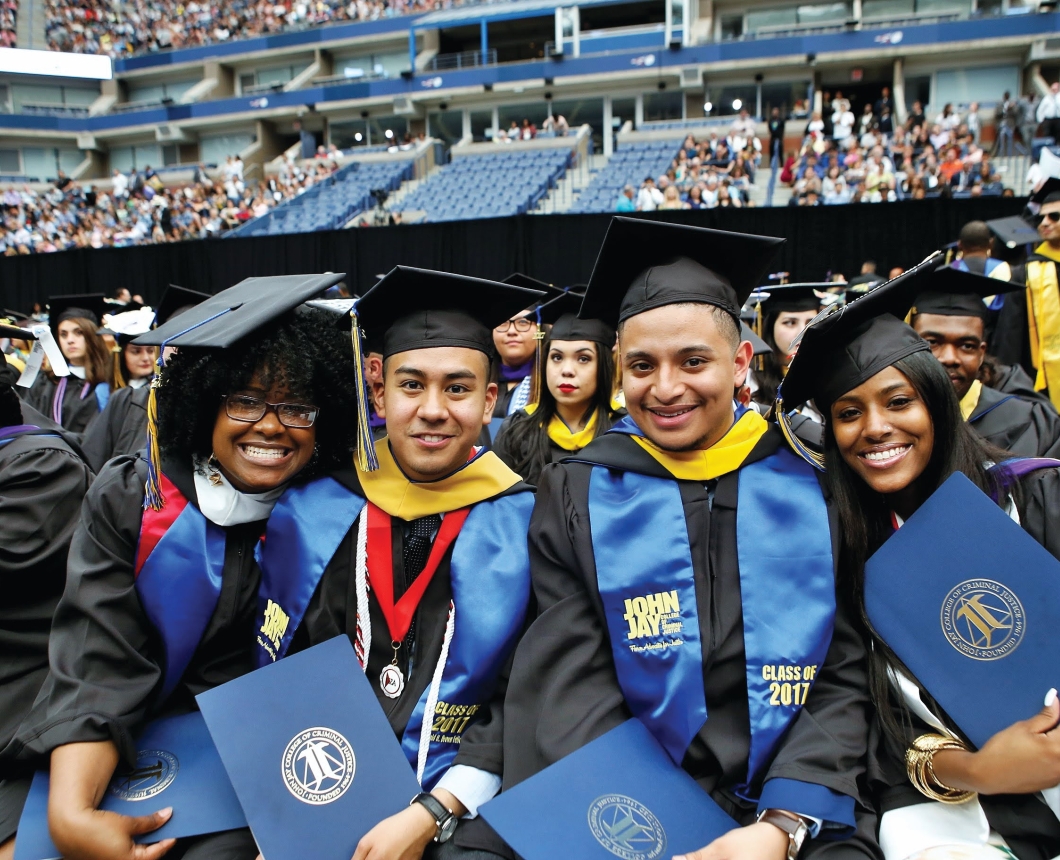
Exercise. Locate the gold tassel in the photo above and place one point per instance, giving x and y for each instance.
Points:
(760, 360)
(364, 445)
(153, 497)
(538, 370)
(119, 377)
(780, 416)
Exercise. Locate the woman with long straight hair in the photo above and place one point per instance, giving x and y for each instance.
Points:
(73, 401)
(781, 313)
(893, 434)
(575, 401)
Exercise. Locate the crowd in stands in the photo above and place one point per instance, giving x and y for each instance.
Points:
(128, 27)
(141, 209)
(8, 23)
(842, 159)
(873, 158)
(717, 171)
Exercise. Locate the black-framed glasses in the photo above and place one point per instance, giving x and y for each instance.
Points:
(522, 325)
(247, 407)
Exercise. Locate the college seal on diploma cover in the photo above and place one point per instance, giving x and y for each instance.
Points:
(318, 766)
(983, 619)
(626, 828)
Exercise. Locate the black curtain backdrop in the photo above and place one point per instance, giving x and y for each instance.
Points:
(560, 249)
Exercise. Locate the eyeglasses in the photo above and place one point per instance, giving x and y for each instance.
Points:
(1052, 216)
(523, 324)
(246, 407)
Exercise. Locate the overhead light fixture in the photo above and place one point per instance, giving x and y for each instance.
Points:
(737, 104)
(358, 137)
(388, 134)
(707, 107)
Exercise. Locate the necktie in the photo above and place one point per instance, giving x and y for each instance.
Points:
(415, 551)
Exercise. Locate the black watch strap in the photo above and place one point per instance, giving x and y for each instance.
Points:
(443, 818)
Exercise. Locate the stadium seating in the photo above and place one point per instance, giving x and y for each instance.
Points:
(329, 205)
(628, 166)
(493, 185)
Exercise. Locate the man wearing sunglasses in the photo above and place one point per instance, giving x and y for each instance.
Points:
(1043, 295)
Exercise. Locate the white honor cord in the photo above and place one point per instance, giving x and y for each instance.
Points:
(432, 696)
(364, 615)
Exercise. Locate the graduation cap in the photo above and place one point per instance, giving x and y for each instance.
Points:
(177, 299)
(518, 279)
(1050, 186)
(955, 292)
(644, 265)
(222, 320)
(1013, 231)
(412, 309)
(561, 313)
(89, 306)
(7, 313)
(13, 331)
(748, 334)
(219, 322)
(844, 347)
(793, 297)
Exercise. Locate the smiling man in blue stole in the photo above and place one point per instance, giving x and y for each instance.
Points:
(442, 578)
(683, 569)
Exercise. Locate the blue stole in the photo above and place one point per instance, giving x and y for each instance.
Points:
(490, 575)
(646, 582)
(180, 561)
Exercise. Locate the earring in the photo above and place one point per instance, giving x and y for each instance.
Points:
(214, 474)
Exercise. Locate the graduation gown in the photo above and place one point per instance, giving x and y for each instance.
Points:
(100, 623)
(121, 428)
(564, 691)
(504, 445)
(1013, 379)
(1030, 827)
(42, 484)
(79, 404)
(1027, 428)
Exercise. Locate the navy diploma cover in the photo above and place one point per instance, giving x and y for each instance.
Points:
(176, 765)
(310, 753)
(620, 795)
(969, 602)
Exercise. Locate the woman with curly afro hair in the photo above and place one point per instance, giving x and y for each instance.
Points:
(232, 557)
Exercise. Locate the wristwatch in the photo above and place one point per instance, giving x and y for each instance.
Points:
(791, 824)
(443, 818)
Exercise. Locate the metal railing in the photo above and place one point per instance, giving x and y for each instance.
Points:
(463, 60)
(52, 110)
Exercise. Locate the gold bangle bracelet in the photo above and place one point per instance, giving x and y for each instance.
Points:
(919, 765)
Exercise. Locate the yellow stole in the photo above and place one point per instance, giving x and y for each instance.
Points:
(724, 456)
(563, 436)
(1043, 316)
(971, 399)
(389, 489)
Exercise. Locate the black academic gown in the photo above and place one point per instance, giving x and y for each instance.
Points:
(121, 428)
(1028, 825)
(79, 403)
(100, 623)
(1013, 379)
(42, 484)
(1027, 428)
(504, 445)
(504, 397)
(564, 692)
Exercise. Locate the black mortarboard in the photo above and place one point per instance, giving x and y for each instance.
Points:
(7, 313)
(1014, 231)
(13, 331)
(176, 299)
(222, 320)
(420, 308)
(760, 346)
(846, 346)
(561, 312)
(518, 279)
(792, 297)
(954, 292)
(644, 265)
(1050, 186)
(90, 306)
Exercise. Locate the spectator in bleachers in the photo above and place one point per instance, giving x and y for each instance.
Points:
(625, 201)
(672, 199)
(649, 197)
(59, 219)
(8, 23)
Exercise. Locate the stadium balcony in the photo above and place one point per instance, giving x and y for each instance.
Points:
(495, 180)
(351, 190)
